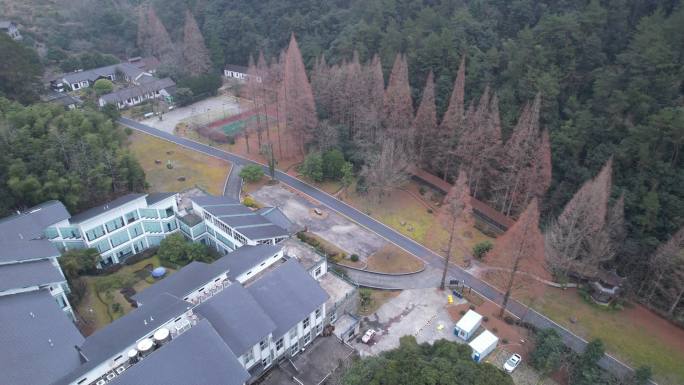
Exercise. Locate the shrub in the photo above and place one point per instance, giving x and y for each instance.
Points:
(481, 249)
(116, 307)
(333, 161)
(495, 330)
(312, 167)
(354, 258)
(462, 312)
(485, 318)
(422, 190)
(252, 173)
(250, 202)
(509, 320)
(472, 307)
(504, 341)
(103, 86)
(430, 211)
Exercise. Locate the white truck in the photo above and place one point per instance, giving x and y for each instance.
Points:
(483, 344)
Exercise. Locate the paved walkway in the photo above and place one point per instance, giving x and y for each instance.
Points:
(430, 277)
(431, 258)
(234, 182)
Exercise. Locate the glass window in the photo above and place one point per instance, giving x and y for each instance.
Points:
(136, 230)
(132, 216)
(114, 224)
(240, 238)
(279, 344)
(95, 233)
(69, 232)
(148, 213)
(318, 271)
(51, 233)
(152, 227)
(293, 333)
(318, 313)
(305, 323)
(119, 238)
(263, 345)
(249, 356)
(170, 226)
(102, 246)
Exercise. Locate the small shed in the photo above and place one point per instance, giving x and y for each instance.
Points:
(483, 344)
(467, 325)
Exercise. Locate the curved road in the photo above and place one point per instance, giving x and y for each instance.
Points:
(573, 341)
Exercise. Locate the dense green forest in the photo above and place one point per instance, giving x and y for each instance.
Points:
(48, 153)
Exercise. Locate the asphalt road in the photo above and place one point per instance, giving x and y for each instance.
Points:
(233, 185)
(571, 340)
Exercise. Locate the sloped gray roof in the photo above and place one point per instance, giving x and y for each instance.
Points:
(237, 318)
(139, 90)
(209, 200)
(243, 259)
(99, 210)
(277, 217)
(31, 224)
(153, 198)
(179, 284)
(37, 339)
(254, 225)
(14, 251)
(5, 24)
(196, 357)
(287, 294)
(27, 274)
(91, 75)
(128, 329)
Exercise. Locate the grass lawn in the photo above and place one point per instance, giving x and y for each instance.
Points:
(404, 211)
(634, 335)
(199, 170)
(378, 298)
(391, 259)
(97, 308)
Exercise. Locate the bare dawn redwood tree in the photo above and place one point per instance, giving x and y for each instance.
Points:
(524, 173)
(425, 122)
(195, 53)
(459, 210)
(153, 38)
(398, 107)
(518, 254)
(451, 126)
(568, 239)
(299, 107)
(665, 281)
(386, 169)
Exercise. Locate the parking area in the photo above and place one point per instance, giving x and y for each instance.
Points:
(329, 225)
(418, 312)
(203, 112)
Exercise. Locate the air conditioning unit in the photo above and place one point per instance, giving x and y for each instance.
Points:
(101, 382)
(120, 369)
(110, 376)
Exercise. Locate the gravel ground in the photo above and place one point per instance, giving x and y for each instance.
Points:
(524, 374)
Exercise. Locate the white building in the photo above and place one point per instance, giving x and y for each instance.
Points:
(467, 325)
(28, 262)
(227, 224)
(150, 88)
(482, 345)
(10, 28)
(120, 228)
(238, 73)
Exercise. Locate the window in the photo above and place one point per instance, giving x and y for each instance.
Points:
(135, 230)
(51, 233)
(263, 345)
(119, 238)
(318, 313)
(152, 227)
(114, 224)
(132, 217)
(293, 333)
(279, 345)
(95, 233)
(295, 348)
(317, 272)
(249, 356)
(307, 338)
(305, 323)
(102, 246)
(148, 213)
(168, 212)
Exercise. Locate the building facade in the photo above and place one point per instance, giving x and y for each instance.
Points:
(10, 28)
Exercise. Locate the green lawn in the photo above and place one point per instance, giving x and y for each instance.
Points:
(633, 335)
(98, 308)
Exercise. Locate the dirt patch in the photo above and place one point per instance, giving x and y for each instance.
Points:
(393, 260)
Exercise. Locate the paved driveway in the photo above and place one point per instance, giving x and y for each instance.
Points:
(573, 341)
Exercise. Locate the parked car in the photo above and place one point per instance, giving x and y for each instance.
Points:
(368, 337)
(512, 363)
